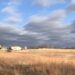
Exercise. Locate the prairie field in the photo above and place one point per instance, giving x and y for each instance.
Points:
(38, 62)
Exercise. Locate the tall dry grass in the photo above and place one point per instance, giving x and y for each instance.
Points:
(37, 63)
(38, 69)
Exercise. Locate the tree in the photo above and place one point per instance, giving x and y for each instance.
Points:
(9, 49)
(1, 46)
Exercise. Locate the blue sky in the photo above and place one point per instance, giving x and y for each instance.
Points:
(37, 22)
(28, 8)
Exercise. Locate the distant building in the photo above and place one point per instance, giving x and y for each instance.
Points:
(25, 47)
(15, 48)
(4, 48)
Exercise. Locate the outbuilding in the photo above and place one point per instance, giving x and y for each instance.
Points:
(16, 48)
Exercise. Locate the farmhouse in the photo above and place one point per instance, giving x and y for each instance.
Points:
(15, 48)
(25, 47)
(2, 48)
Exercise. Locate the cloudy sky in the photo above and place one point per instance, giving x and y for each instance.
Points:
(37, 22)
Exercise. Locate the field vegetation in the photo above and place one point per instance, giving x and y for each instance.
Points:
(38, 62)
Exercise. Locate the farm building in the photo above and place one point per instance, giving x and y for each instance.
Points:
(16, 48)
(25, 47)
(2, 48)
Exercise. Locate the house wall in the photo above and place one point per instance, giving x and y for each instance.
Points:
(16, 48)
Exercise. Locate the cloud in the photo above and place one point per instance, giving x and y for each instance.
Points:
(73, 1)
(8, 10)
(13, 20)
(71, 6)
(72, 26)
(15, 2)
(11, 35)
(51, 29)
(53, 20)
(12, 12)
(46, 3)
(48, 30)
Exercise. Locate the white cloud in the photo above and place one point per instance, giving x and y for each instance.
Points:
(46, 3)
(13, 20)
(47, 25)
(15, 2)
(9, 10)
(53, 19)
(73, 1)
(71, 6)
(13, 15)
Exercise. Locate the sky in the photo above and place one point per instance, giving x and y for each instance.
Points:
(37, 23)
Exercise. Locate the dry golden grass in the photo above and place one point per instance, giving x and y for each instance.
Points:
(38, 62)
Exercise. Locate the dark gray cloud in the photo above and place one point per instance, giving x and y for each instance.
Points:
(72, 27)
(13, 36)
(51, 29)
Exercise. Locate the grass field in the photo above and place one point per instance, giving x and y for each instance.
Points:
(38, 62)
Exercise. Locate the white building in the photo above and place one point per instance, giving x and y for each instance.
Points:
(16, 48)
(25, 47)
(4, 49)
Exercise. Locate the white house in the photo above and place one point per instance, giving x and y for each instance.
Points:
(16, 48)
(25, 47)
(4, 48)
